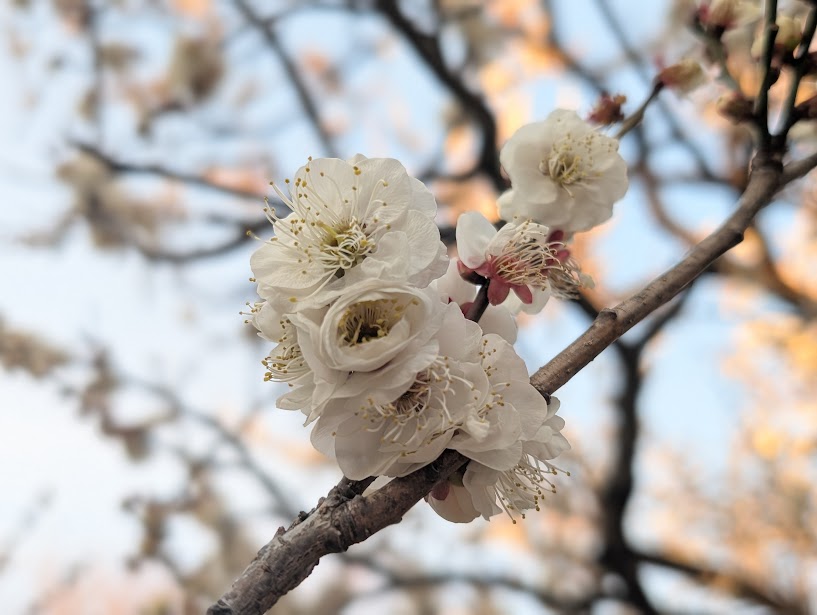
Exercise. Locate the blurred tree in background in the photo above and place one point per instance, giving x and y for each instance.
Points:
(145, 461)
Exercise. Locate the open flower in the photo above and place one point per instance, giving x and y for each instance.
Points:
(564, 174)
(526, 258)
(481, 490)
(394, 417)
(368, 325)
(341, 214)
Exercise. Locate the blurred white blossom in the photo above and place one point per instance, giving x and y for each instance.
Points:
(564, 174)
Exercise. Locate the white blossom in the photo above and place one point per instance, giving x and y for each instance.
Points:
(406, 416)
(564, 174)
(342, 213)
(485, 491)
(452, 501)
(525, 257)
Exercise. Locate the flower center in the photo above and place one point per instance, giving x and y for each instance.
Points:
(571, 161)
(344, 245)
(528, 258)
(370, 320)
(420, 415)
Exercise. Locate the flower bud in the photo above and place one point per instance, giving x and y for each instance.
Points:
(607, 110)
(735, 107)
(789, 33)
(683, 77)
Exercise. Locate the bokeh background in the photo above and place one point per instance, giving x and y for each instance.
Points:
(142, 459)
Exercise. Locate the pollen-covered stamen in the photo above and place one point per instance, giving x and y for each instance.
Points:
(286, 362)
(529, 258)
(421, 414)
(572, 160)
(344, 245)
(368, 320)
(566, 280)
(523, 486)
(323, 228)
(495, 398)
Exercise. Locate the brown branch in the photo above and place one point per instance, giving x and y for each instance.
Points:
(613, 323)
(764, 274)
(728, 582)
(120, 166)
(428, 50)
(799, 168)
(344, 518)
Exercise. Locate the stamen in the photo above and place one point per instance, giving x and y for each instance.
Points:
(368, 320)
(531, 258)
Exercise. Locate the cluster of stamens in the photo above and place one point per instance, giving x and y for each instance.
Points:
(323, 229)
(286, 362)
(495, 398)
(367, 320)
(522, 487)
(422, 411)
(572, 160)
(532, 256)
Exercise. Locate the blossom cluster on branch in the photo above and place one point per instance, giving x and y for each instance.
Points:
(396, 352)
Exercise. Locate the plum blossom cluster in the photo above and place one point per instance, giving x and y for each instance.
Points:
(393, 351)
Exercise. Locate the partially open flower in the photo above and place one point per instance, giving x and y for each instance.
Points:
(565, 174)
(720, 15)
(525, 258)
(286, 362)
(452, 501)
(789, 34)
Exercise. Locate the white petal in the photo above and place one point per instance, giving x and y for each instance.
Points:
(474, 233)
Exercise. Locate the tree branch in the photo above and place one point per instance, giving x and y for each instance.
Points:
(613, 323)
(732, 583)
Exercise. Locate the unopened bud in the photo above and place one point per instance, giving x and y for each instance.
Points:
(607, 110)
(735, 107)
(682, 77)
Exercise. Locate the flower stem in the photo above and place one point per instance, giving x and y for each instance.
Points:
(635, 119)
(479, 305)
